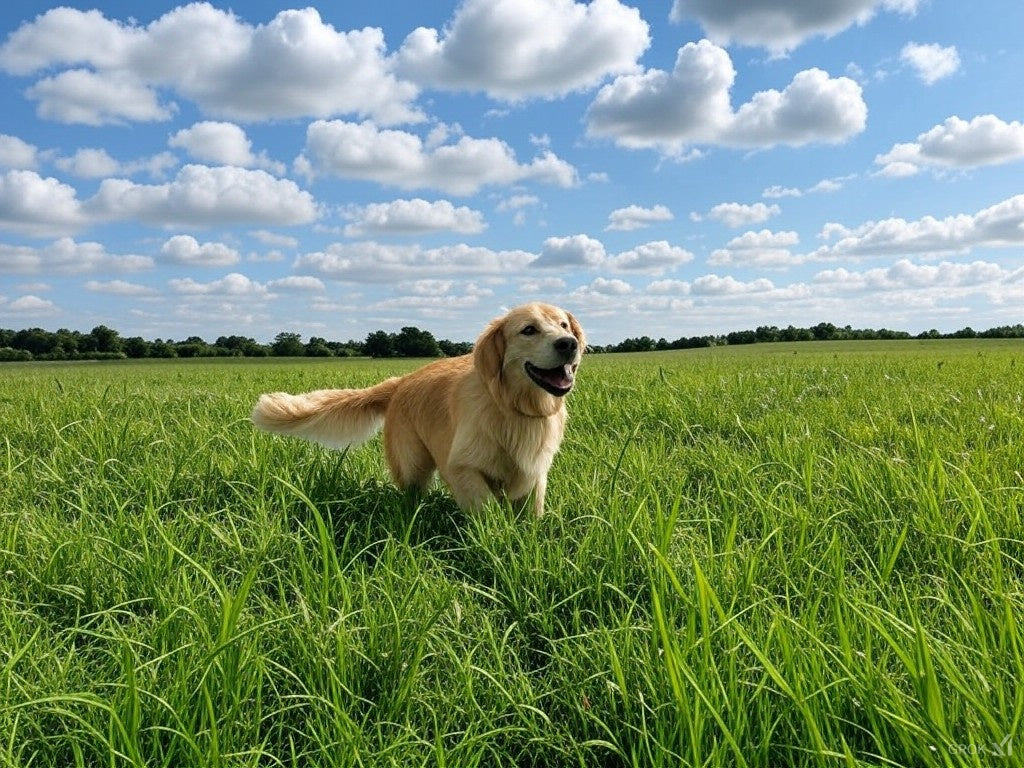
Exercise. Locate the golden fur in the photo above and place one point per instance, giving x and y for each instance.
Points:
(489, 422)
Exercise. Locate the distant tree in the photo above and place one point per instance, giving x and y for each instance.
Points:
(741, 337)
(454, 348)
(161, 348)
(136, 346)
(35, 340)
(379, 344)
(288, 345)
(825, 331)
(107, 339)
(412, 342)
(317, 347)
(767, 333)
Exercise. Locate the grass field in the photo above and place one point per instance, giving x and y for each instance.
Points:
(776, 555)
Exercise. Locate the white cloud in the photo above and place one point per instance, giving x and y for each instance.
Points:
(740, 215)
(275, 239)
(780, 27)
(999, 225)
(118, 288)
(185, 249)
(97, 163)
(517, 202)
(928, 283)
(233, 284)
(636, 217)
(713, 285)
(29, 306)
(399, 158)
(202, 196)
(583, 251)
(372, 262)
(413, 217)
(605, 287)
(33, 205)
(691, 105)
(83, 96)
(765, 249)
(655, 258)
(229, 68)
(542, 285)
(66, 257)
(223, 144)
(297, 283)
(17, 154)
(931, 62)
(956, 143)
(515, 49)
(572, 251)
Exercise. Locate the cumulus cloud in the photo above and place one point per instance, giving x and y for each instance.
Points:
(637, 217)
(765, 249)
(198, 196)
(275, 239)
(203, 196)
(185, 249)
(925, 286)
(1000, 225)
(400, 158)
(223, 144)
(17, 154)
(956, 143)
(691, 105)
(931, 62)
(713, 285)
(297, 283)
(655, 257)
(97, 163)
(740, 215)
(780, 27)
(67, 257)
(229, 68)
(83, 96)
(413, 217)
(372, 262)
(28, 306)
(33, 205)
(234, 284)
(583, 251)
(118, 288)
(572, 251)
(514, 49)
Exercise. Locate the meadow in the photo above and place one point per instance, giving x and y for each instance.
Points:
(779, 555)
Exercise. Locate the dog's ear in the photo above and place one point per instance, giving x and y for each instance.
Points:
(489, 351)
(577, 331)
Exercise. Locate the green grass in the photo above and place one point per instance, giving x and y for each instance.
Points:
(804, 554)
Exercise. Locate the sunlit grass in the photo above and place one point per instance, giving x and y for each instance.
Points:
(794, 554)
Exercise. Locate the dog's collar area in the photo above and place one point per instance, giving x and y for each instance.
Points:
(555, 381)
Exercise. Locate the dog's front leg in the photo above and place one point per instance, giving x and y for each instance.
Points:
(469, 486)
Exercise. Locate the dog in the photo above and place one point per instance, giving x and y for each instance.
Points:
(489, 422)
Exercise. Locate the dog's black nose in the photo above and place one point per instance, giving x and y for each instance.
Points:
(567, 346)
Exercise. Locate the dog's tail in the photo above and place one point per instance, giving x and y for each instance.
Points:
(336, 418)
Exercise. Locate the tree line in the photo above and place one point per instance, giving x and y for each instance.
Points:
(820, 332)
(103, 343)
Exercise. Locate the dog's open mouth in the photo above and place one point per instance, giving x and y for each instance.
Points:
(556, 381)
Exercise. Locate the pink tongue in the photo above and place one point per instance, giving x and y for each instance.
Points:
(558, 378)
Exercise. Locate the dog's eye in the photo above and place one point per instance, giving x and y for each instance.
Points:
(565, 325)
(529, 330)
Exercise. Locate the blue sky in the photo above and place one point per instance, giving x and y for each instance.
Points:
(668, 169)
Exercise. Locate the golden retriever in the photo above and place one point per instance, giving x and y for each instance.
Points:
(489, 422)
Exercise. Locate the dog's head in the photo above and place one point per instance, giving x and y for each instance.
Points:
(529, 357)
